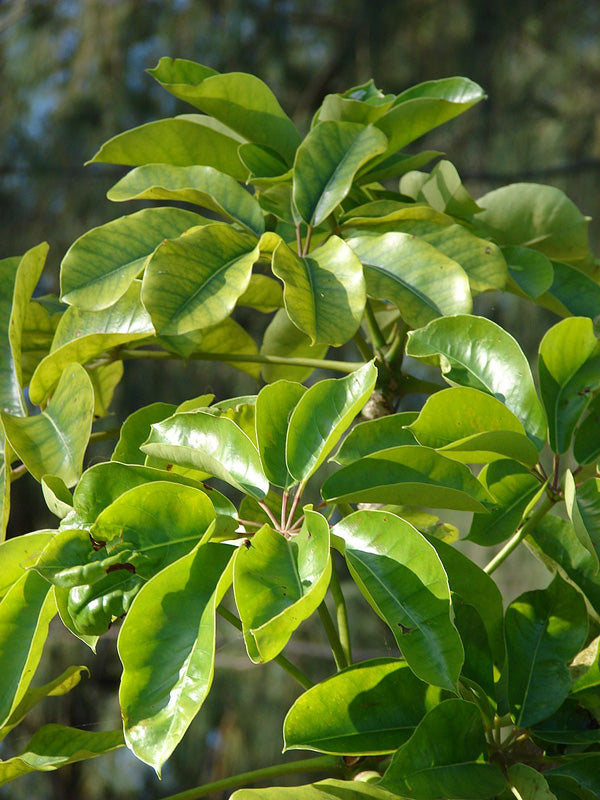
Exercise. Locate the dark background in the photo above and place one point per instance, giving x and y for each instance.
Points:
(72, 75)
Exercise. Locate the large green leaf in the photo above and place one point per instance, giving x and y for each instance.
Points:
(368, 709)
(513, 487)
(55, 746)
(38, 332)
(473, 351)
(403, 579)
(363, 104)
(263, 294)
(376, 434)
(5, 476)
(572, 724)
(572, 292)
(545, 629)
(586, 445)
(241, 101)
(475, 587)
(529, 783)
(537, 216)
(283, 338)
(326, 163)
(445, 757)
(274, 406)
(136, 429)
(279, 583)
(321, 417)
(55, 441)
(194, 281)
(418, 278)
(323, 790)
(555, 543)
(423, 107)
(25, 613)
(99, 266)
(168, 656)
(442, 189)
(212, 444)
(83, 335)
(324, 292)
(569, 370)
(567, 788)
(66, 681)
(204, 186)
(182, 141)
(583, 508)
(585, 770)
(408, 474)
(18, 278)
(20, 554)
(473, 427)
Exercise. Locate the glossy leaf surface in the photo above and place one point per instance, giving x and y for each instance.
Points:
(444, 757)
(472, 426)
(55, 441)
(545, 628)
(212, 444)
(194, 281)
(326, 163)
(168, 657)
(370, 708)
(408, 474)
(20, 554)
(321, 417)
(324, 292)
(99, 266)
(374, 435)
(402, 577)
(475, 352)
(203, 186)
(583, 508)
(136, 429)
(323, 790)
(279, 583)
(419, 279)
(274, 406)
(569, 370)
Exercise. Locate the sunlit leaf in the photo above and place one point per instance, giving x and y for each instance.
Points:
(583, 508)
(274, 406)
(374, 435)
(443, 190)
(20, 554)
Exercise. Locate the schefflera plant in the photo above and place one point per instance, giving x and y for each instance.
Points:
(478, 702)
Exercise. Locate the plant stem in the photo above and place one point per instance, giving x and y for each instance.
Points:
(103, 436)
(377, 337)
(341, 614)
(523, 531)
(290, 668)
(309, 231)
(299, 239)
(245, 358)
(320, 764)
(17, 473)
(284, 505)
(269, 514)
(332, 637)
(362, 345)
(295, 502)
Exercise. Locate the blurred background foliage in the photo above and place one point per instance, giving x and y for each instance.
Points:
(73, 76)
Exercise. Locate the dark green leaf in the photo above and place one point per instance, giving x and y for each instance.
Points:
(367, 709)
(572, 292)
(529, 783)
(445, 757)
(586, 446)
(530, 270)
(585, 770)
(403, 579)
(274, 406)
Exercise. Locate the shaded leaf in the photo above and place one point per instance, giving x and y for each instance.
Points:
(444, 757)
(586, 446)
(204, 186)
(368, 709)
(136, 429)
(38, 332)
(83, 335)
(167, 656)
(545, 629)
(274, 406)
(326, 163)
(572, 292)
(55, 441)
(475, 352)
(529, 783)
(403, 579)
(283, 338)
(279, 583)
(442, 189)
(18, 555)
(585, 770)
(57, 496)
(324, 292)
(321, 417)
(374, 435)
(531, 270)
(583, 507)
(263, 294)
(99, 266)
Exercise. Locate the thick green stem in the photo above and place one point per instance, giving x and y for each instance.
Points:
(329, 764)
(363, 346)
(339, 655)
(341, 614)
(290, 668)
(523, 531)
(377, 337)
(244, 358)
